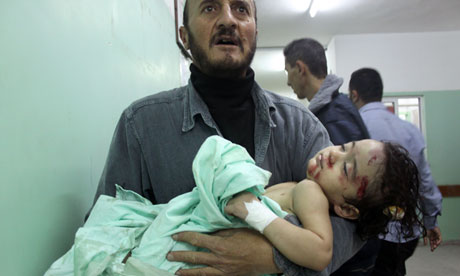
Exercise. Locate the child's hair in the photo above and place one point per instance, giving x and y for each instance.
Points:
(398, 182)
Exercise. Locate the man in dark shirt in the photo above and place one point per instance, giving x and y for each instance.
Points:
(306, 66)
(158, 136)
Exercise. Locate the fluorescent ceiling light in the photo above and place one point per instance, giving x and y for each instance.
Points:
(315, 7)
(328, 5)
(300, 5)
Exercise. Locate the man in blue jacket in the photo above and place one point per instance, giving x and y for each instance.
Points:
(306, 66)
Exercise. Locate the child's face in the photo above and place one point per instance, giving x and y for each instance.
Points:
(347, 171)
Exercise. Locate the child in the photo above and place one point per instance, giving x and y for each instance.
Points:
(367, 181)
(359, 180)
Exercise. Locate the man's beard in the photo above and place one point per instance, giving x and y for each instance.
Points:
(227, 68)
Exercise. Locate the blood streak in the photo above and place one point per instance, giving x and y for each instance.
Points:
(376, 156)
(329, 163)
(317, 175)
(372, 160)
(312, 169)
(362, 187)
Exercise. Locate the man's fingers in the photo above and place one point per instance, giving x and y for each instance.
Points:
(204, 271)
(435, 237)
(197, 239)
(192, 257)
(435, 243)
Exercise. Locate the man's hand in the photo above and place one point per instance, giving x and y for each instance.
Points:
(434, 235)
(232, 252)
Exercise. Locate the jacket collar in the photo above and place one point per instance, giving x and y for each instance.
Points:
(323, 97)
(194, 105)
(372, 106)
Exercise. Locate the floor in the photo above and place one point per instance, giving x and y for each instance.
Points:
(445, 260)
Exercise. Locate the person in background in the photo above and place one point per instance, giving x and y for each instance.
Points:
(306, 66)
(158, 136)
(366, 91)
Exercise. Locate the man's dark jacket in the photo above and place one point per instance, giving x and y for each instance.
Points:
(337, 113)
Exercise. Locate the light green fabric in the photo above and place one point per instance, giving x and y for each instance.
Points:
(117, 225)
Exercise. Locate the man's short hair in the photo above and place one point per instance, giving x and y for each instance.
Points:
(310, 52)
(368, 83)
(185, 15)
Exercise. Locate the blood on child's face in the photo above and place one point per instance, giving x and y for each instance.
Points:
(346, 171)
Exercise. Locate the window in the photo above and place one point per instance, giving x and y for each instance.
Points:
(407, 108)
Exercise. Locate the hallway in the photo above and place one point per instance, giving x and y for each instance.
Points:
(445, 260)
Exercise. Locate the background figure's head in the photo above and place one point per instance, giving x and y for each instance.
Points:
(362, 179)
(221, 35)
(365, 86)
(306, 66)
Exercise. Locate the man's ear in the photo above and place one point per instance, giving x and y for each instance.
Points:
(354, 97)
(302, 67)
(347, 211)
(184, 37)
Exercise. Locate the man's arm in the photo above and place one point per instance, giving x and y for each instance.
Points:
(232, 252)
(246, 252)
(125, 164)
(431, 202)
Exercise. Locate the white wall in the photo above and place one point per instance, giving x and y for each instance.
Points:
(268, 65)
(331, 58)
(407, 62)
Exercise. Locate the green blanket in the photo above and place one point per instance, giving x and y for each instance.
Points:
(130, 222)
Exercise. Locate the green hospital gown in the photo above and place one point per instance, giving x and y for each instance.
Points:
(128, 222)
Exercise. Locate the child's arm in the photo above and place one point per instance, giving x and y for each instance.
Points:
(310, 246)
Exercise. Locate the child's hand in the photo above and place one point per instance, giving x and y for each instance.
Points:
(235, 206)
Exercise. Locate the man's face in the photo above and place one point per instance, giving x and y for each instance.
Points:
(293, 76)
(221, 36)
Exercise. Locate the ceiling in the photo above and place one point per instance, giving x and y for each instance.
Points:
(279, 22)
